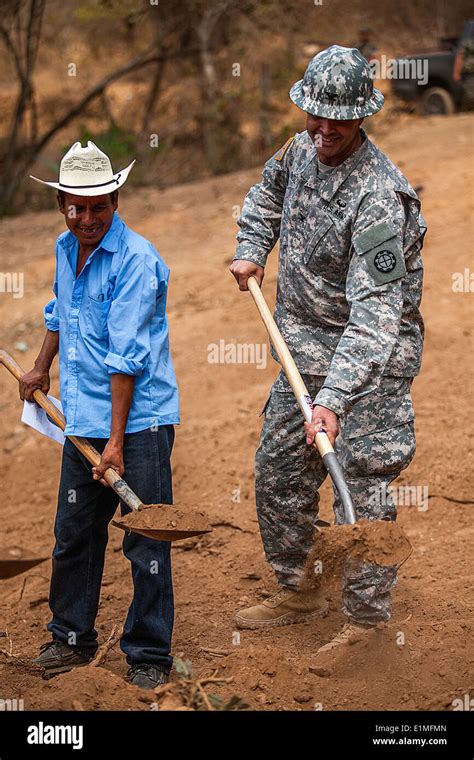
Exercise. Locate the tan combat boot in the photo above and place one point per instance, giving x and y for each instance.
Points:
(285, 607)
(350, 633)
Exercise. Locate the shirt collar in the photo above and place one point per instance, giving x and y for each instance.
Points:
(329, 183)
(110, 241)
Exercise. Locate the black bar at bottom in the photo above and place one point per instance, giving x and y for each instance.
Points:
(144, 734)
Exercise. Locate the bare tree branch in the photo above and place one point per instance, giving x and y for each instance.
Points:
(13, 52)
(98, 89)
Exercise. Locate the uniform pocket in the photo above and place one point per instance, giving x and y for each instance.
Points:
(388, 406)
(280, 385)
(386, 452)
(97, 314)
(324, 253)
(378, 434)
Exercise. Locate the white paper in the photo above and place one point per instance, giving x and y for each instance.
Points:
(35, 416)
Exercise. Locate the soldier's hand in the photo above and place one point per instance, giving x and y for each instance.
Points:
(33, 380)
(322, 418)
(242, 270)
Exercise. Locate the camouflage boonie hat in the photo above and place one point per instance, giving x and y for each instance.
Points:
(337, 84)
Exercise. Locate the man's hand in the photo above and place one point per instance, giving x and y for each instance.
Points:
(322, 418)
(242, 270)
(35, 379)
(38, 377)
(112, 456)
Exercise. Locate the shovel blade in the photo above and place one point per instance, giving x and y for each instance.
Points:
(163, 522)
(14, 562)
(161, 535)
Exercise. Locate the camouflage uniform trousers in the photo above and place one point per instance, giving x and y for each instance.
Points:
(376, 442)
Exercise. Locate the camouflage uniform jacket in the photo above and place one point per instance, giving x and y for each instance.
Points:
(350, 270)
(467, 47)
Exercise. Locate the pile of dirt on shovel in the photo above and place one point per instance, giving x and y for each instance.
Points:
(158, 517)
(378, 541)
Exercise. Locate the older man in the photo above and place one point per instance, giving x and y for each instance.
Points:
(118, 388)
(349, 288)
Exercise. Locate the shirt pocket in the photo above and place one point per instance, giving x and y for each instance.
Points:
(97, 314)
(324, 253)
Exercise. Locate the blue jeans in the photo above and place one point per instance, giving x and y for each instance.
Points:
(85, 508)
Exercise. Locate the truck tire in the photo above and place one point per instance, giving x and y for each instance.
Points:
(436, 100)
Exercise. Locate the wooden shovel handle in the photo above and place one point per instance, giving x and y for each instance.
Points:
(91, 454)
(321, 441)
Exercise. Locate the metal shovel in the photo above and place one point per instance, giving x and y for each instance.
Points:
(14, 562)
(161, 522)
(378, 540)
(304, 400)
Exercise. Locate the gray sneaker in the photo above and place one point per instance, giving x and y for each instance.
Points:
(147, 676)
(56, 657)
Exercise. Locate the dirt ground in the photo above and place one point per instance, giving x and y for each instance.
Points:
(423, 658)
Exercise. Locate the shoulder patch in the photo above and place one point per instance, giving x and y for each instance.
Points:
(382, 253)
(385, 262)
(280, 155)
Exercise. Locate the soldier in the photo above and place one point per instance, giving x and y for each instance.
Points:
(349, 288)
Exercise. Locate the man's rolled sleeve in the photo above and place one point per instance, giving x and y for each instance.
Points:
(119, 364)
(50, 311)
(51, 318)
(130, 315)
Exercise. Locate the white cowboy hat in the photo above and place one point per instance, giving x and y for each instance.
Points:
(87, 171)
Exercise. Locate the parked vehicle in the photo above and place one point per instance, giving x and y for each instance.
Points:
(440, 94)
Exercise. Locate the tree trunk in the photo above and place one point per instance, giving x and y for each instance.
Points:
(209, 117)
(24, 52)
(152, 98)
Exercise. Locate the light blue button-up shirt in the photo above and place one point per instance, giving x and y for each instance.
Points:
(112, 319)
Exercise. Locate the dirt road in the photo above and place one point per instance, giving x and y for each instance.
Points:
(423, 657)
